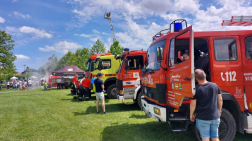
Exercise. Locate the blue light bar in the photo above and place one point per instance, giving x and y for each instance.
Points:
(177, 27)
(126, 49)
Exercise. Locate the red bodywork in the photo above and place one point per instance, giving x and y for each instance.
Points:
(240, 70)
(50, 84)
(128, 79)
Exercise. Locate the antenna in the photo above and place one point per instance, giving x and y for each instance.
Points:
(107, 15)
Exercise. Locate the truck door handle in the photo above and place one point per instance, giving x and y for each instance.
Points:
(187, 79)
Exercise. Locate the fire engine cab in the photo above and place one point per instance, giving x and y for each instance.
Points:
(128, 76)
(91, 63)
(168, 80)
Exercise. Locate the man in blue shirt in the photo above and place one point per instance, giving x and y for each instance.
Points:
(99, 86)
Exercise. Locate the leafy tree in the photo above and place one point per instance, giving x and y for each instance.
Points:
(115, 48)
(7, 57)
(98, 47)
(82, 56)
(69, 59)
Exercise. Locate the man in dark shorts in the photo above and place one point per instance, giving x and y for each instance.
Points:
(208, 104)
(99, 86)
(84, 88)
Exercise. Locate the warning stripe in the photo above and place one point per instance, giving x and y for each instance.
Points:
(129, 86)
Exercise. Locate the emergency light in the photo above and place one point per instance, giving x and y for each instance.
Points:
(126, 50)
(177, 27)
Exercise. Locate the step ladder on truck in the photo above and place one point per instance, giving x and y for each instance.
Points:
(168, 81)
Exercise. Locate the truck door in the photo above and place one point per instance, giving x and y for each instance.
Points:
(247, 69)
(227, 66)
(180, 73)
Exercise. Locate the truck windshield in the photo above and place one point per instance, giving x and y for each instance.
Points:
(153, 64)
(90, 65)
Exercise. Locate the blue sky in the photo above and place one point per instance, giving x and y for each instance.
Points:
(41, 28)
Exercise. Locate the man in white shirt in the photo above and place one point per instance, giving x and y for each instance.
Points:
(29, 83)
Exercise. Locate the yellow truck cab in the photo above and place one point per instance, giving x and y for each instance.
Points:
(107, 65)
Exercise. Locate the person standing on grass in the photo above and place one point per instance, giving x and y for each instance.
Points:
(75, 84)
(208, 104)
(45, 85)
(99, 86)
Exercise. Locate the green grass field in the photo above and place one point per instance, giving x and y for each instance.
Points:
(55, 115)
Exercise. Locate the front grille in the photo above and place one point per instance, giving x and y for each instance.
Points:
(158, 93)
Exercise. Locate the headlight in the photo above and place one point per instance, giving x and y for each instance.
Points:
(156, 111)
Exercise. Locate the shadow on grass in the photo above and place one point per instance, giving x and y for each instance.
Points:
(92, 98)
(243, 137)
(110, 108)
(147, 131)
(138, 116)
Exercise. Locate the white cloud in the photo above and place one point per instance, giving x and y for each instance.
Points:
(62, 47)
(211, 19)
(95, 38)
(22, 57)
(18, 14)
(104, 33)
(36, 32)
(96, 31)
(87, 10)
(83, 35)
(2, 20)
(134, 16)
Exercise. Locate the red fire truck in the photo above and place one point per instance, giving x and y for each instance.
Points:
(168, 82)
(128, 76)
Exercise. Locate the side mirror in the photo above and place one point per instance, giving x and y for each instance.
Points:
(160, 54)
(115, 55)
(126, 64)
(100, 65)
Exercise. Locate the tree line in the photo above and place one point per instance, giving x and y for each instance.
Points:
(77, 58)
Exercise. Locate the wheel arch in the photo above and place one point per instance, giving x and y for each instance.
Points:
(231, 104)
(137, 91)
(109, 81)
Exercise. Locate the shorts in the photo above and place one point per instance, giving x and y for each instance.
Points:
(99, 95)
(208, 128)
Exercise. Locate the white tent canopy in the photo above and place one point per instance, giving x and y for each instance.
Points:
(13, 78)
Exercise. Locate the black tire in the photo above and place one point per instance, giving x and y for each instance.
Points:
(227, 128)
(89, 93)
(139, 103)
(111, 91)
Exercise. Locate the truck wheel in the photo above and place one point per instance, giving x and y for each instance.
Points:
(111, 91)
(227, 128)
(139, 103)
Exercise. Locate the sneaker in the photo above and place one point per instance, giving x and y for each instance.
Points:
(105, 112)
(87, 98)
(97, 112)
